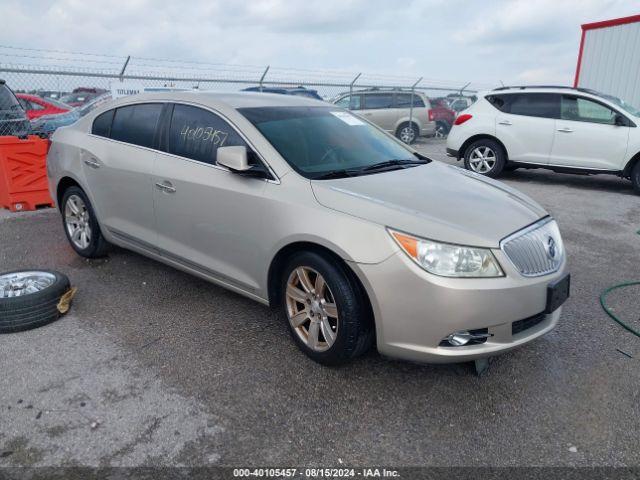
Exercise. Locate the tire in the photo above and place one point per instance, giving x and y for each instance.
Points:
(635, 177)
(32, 310)
(354, 332)
(491, 151)
(407, 133)
(92, 244)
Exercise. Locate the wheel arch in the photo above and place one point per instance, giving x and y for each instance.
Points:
(482, 136)
(626, 172)
(405, 121)
(64, 184)
(279, 261)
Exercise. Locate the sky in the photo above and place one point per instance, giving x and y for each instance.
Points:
(485, 42)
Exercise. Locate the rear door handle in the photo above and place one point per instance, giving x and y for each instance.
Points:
(92, 162)
(565, 130)
(166, 187)
(505, 122)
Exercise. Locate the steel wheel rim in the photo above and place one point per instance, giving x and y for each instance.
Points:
(311, 309)
(482, 159)
(407, 134)
(19, 284)
(77, 221)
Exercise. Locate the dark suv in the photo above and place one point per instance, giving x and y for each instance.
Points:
(13, 120)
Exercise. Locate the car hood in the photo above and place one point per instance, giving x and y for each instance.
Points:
(436, 201)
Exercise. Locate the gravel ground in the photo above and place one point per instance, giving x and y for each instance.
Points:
(155, 367)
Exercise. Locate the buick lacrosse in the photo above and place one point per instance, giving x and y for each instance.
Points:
(302, 205)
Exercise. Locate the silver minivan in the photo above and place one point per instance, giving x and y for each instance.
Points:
(354, 236)
(391, 110)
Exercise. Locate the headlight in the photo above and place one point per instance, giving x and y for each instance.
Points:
(449, 260)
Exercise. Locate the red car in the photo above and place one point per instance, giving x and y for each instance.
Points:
(36, 106)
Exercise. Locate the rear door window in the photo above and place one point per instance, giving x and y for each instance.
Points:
(197, 134)
(378, 100)
(136, 124)
(544, 105)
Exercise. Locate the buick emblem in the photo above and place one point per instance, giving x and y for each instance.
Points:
(551, 248)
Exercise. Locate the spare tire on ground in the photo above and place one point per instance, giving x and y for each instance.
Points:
(30, 298)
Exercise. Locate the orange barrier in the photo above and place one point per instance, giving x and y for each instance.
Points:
(23, 173)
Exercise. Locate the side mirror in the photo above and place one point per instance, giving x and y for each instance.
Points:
(619, 121)
(234, 158)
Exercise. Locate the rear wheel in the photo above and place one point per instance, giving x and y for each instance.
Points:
(81, 225)
(408, 132)
(327, 315)
(635, 177)
(485, 157)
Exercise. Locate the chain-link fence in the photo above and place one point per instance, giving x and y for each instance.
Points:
(83, 80)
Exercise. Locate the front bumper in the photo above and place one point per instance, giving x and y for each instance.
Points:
(415, 310)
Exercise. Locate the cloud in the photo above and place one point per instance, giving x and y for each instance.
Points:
(509, 40)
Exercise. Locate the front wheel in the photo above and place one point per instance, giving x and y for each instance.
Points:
(326, 312)
(485, 157)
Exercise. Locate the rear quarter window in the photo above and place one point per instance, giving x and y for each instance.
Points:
(498, 101)
(102, 124)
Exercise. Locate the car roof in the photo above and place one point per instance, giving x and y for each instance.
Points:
(234, 100)
(545, 88)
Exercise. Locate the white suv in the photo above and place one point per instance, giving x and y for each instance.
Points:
(570, 130)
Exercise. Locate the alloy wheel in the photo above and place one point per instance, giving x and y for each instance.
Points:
(311, 309)
(407, 134)
(19, 284)
(77, 220)
(482, 159)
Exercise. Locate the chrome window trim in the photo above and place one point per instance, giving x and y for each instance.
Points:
(275, 180)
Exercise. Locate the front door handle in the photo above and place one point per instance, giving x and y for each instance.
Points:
(166, 187)
(93, 163)
(505, 122)
(565, 130)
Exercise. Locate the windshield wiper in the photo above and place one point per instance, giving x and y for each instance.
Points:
(342, 173)
(393, 163)
(354, 172)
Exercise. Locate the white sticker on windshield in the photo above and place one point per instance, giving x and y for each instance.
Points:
(348, 118)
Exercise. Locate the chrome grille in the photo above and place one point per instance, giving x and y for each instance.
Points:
(536, 250)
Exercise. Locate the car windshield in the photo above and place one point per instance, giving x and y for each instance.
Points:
(319, 141)
(622, 104)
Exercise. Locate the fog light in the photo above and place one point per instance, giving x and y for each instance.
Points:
(459, 338)
(466, 337)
